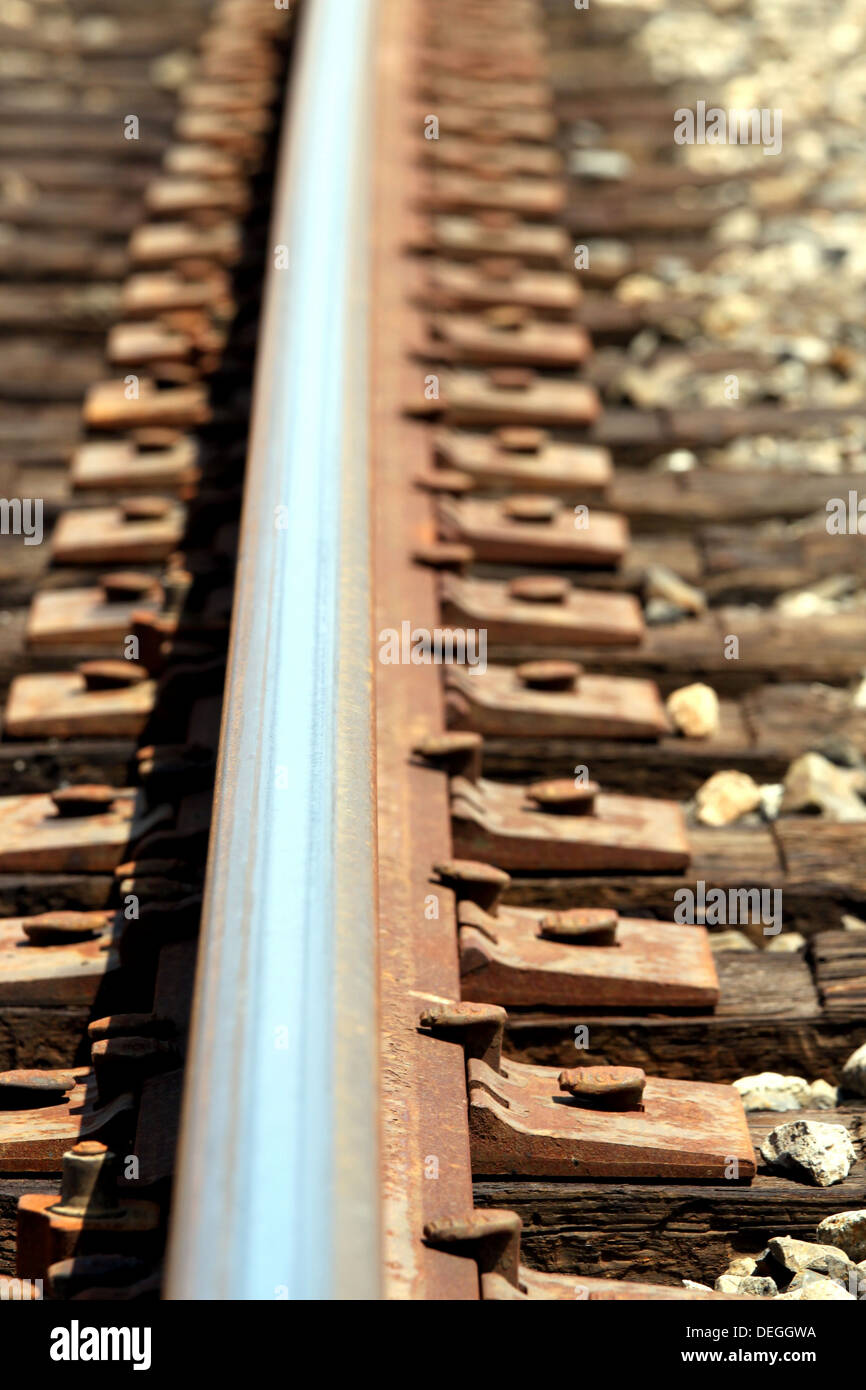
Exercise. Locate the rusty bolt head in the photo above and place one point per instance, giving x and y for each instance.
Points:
(445, 480)
(520, 439)
(549, 675)
(539, 588)
(487, 1221)
(459, 751)
(89, 799)
(588, 926)
(21, 1089)
(54, 928)
(125, 586)
(563, 795)
(110, 674)
(511, 378)
(507, 318)
(129, 1026)
(454, 556)
(443, 745)
(605, 1088)
(121, 1063)
(531, 507)
(482, 884)
(88, 1182)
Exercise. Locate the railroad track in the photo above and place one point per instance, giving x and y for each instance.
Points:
(425, 946)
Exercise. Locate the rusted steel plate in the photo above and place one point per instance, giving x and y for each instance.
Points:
(498, 701)
(174, 195)
(222, 130)
(488, 96)
(536, 125)
(492, 233)
(162, 243)
(498, 822)
(521, 1123)
(104, 536)
(505, 160)
(154, 292)
(496, 531)
(502, 336)
(38, 967)
(109, 406)
(35, 837)
(451, 191)
(34, 1140)
(504, 960)
(46, 1237)
(118, 465)
(139, 343)
(579, 616)
(535, 1284)
(60, 706)
(507, 396)
(526, 460)
(423, 1091)
(481, 58)
(83, 618)
(472, 285)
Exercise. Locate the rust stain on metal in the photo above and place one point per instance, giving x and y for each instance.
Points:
(424, 1088)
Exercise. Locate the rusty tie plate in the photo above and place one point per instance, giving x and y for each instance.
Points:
(504, 825)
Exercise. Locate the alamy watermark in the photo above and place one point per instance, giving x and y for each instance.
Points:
(846, 518)
(22, 516)
(439, 646)
(734, 127)
(719, 907)
(24, 1290)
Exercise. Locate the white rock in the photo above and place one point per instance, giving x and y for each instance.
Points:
(658, 612)
(805, 1256)
(661, 582)
(639, 289)
(725, 797)
(816, 1290)
(850, 923)
(678, 461)
(743, 1264)
(771, 1090)
(812, 782)
(847, 1231)
(771, 799)
(698, 1288)
(694, 710)
(757, 1285)
(823, 1096)
(601, 165)
(822, 1152)
(786, 941)
(731, 941)
(853, 1076)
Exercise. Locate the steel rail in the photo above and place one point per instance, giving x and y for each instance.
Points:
(277, 1185)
